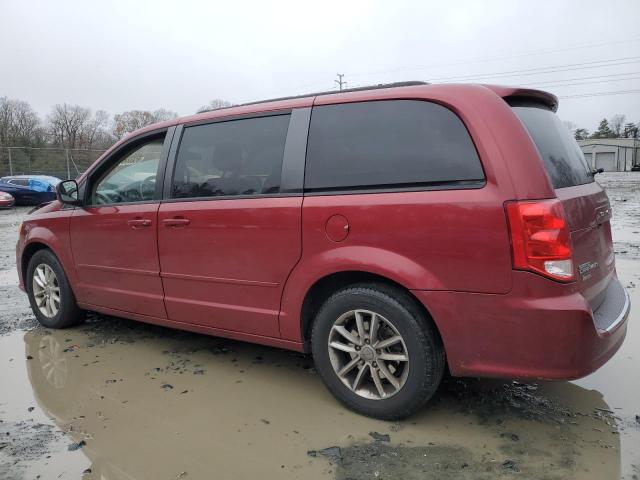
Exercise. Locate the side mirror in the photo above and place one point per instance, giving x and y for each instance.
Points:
(67, 192)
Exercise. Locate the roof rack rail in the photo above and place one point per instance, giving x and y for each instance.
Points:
(410, 83)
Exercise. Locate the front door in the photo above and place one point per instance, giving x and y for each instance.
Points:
(114, 235)
(227, 237)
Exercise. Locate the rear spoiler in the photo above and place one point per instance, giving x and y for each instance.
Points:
(515, 94)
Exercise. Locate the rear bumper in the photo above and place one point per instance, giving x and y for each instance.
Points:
(541, 329)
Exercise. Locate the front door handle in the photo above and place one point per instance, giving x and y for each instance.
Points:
(139, 222)
(175, 222)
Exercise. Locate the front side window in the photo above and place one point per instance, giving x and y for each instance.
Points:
(132, 178)
(230, 158)
(393, 143)
(23, 182)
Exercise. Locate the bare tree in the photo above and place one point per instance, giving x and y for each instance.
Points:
(215, 104)
(616, 124)
(95, 129)
(19, 124)
(73, 126)
(127, 122)
(161, 115)
(66, 123)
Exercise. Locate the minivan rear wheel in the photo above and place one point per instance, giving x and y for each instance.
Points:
(50, 295)
(377, 352)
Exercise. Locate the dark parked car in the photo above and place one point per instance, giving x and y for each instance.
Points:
(6, 200)
(30, 189)
(391, 232)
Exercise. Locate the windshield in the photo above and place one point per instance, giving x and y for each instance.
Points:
(563, 159)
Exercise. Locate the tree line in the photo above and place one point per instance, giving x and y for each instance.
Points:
(77, 127)
(615, 127)
(74, 126)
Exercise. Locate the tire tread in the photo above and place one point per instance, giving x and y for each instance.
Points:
(424, 330)
(70, 314)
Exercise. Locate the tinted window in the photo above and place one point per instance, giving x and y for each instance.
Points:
(23, 182)
(388, 143)
(562, 156)
(132, 178)
(238, 157)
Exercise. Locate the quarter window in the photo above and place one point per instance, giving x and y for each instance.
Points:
(378, 144)
(236, 157)
(563, 159)
(132, 178)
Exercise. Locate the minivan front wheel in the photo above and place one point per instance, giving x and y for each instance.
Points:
(50, 295)
(376, 351)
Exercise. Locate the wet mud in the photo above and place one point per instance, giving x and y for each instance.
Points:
(116, 399)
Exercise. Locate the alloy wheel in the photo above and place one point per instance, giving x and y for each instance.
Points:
(368, 354)
(46, 290)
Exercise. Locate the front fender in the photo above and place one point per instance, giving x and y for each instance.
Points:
(51, 229)
(309, 270)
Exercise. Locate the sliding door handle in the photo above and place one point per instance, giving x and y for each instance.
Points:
(175, 222)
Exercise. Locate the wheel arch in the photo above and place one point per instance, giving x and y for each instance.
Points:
(324, 287)
(28, 252)
(38, 243)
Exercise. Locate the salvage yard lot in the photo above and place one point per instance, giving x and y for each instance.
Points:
(115, 399)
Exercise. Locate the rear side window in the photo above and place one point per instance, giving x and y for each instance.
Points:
(393, 143)
(563, 159)
(236, 157)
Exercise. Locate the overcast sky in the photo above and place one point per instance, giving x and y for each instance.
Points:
(122, 55)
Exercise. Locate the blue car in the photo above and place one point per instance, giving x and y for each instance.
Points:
(30, 189)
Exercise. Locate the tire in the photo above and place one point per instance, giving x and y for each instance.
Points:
(67, 312)
(397, 315)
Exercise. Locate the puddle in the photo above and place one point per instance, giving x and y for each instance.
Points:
(146, 402)
(32, 444)
(153, 403)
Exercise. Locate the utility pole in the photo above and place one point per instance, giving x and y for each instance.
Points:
(10, 163)
(340, 82)
(68, 169)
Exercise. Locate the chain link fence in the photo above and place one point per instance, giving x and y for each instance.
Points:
(59, 162)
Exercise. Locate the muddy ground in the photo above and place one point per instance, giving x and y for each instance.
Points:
(115, 399)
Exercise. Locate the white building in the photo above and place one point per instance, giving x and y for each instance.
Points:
(612, 154)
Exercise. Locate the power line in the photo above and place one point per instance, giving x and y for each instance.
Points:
(586, 83)
(549, 69)
(600, 94)
(560, 83)
(540, 71)
(489, 77)
(584, 78)
(497, 58)
(483, 60)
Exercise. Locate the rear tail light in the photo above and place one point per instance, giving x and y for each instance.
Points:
(540, 240)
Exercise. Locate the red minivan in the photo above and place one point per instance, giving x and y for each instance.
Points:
(393, 232)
